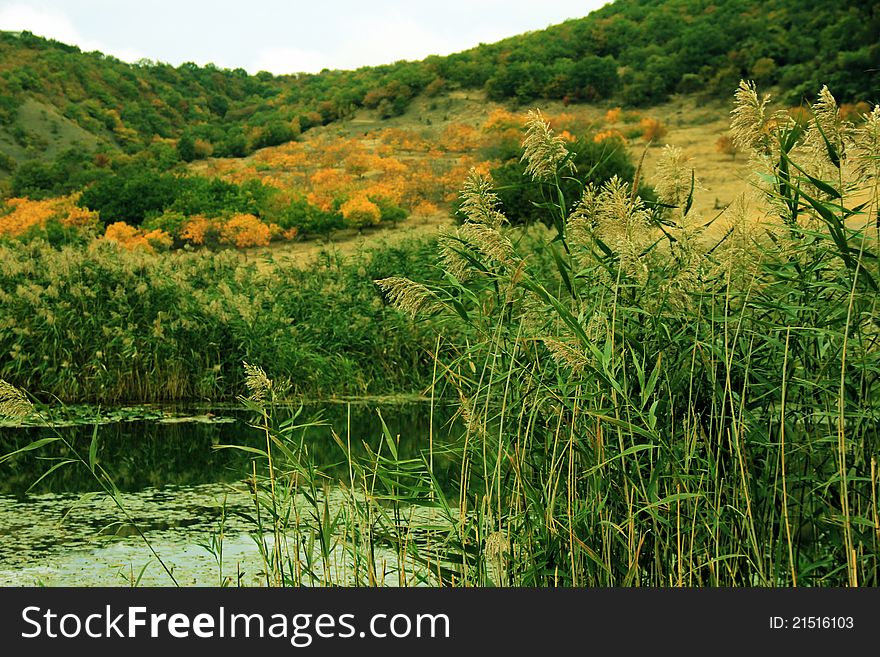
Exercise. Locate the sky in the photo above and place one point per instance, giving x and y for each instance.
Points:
(283, 36)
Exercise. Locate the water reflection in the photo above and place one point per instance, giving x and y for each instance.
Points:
(150, 453)
(175, 487)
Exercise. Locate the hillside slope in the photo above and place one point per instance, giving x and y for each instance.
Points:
(54, 98)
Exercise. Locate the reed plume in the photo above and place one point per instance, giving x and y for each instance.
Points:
(748, 125)
(479, 202)
(408, 296)
(673, 177)
(13, 402)
(258, 384)
(544, 151)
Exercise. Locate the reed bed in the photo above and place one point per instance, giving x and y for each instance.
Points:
(659, 407)
(106, 325)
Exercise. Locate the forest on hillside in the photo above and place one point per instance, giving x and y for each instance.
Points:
(636, 52)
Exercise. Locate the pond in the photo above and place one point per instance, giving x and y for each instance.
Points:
(175, 487)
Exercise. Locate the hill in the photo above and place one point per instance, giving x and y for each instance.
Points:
(58, 101)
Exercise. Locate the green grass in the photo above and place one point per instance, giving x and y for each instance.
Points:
(53, 132)
(106, 325)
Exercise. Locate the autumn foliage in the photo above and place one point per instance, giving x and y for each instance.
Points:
(361, 211)
(131, 237)
(197, 230)
(23, 216)
(608, 134)
(244, 230)
(313, 186)
(652, 129)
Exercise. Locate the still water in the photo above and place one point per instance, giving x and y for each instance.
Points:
(175, 487)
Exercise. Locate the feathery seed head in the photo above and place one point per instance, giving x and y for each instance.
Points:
(567, 355)
(828, 127)
(489, 241)
(479, 202)
(866, 146)
(737, 254)
(256, 381)
(586, 208)
(407, 296)
(674, 176)
(749, 120)
(13, 402)
(497, 546)
(616, 209)
(543, 150)
(630, 259)
(580, 223)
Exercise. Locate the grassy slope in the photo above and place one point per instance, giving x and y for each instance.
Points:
(58, 133)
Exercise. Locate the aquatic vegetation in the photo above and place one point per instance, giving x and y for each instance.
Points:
(108, 324)
(667, 404)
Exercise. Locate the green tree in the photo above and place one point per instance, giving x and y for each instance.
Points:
(131, 195)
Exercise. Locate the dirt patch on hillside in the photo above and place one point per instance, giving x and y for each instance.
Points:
(348, 242)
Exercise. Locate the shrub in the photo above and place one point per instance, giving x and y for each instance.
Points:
(652, 129)
(245, 230)
(360, 211)
(389, 211)
(200, 231)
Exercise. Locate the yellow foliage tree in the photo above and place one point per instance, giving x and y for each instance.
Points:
(196, 230)
(245, 230)
(23, 215)
(130, 237)
(360, 211)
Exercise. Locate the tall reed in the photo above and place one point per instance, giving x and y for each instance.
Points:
(668, 405)
(103, 324)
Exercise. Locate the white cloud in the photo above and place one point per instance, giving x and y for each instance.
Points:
(44, 23)
(56, 25)
(361, 44)
(391, 39)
